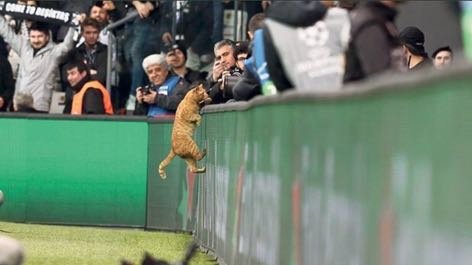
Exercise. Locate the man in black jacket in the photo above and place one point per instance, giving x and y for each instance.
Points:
(224, 66)
(249, 86)
(91, 51)
(90, 96)
(374, 45)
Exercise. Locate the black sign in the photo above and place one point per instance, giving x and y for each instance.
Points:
(36, 13)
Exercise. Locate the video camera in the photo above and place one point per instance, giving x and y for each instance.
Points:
(234, 76)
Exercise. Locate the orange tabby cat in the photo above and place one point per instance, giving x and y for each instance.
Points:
(187, 118)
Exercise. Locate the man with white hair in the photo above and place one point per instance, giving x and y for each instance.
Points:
(11, 251)
(165, 91)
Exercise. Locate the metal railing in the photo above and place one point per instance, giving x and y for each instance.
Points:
(112, 76)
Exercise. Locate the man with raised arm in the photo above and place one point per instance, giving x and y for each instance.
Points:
(38, 69)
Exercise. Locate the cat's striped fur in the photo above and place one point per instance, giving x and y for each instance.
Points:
(187, 118)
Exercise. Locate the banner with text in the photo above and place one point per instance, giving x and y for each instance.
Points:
(36, 13)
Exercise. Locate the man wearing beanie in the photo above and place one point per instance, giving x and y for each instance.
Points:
(176, 58)
(412, 39)
(442, 57)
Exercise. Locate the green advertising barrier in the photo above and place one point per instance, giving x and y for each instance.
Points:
(171, 202)
(376, 174)
(88, 172)
(92, 171)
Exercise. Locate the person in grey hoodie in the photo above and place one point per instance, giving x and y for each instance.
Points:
(38, 70)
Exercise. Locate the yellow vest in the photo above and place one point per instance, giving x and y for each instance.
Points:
(79, 98)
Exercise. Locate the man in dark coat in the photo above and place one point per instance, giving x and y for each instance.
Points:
(374, 45)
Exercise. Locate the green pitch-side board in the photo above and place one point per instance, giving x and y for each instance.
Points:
(377, 177)
(92, 172)
(171, 202)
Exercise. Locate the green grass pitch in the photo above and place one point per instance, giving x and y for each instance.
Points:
(59, 245)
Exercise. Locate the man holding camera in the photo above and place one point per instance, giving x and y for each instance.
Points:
(165, 91)
(225, 72)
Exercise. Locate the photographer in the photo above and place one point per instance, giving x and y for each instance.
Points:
(225, 72)
(165, 91)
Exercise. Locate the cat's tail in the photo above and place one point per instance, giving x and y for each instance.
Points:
(165, 163)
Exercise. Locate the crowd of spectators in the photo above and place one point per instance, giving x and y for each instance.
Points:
(292, 45)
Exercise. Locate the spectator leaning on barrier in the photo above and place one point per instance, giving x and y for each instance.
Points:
(309, 42)
(165, 91)
(374, 46)
(412, 39)
(442, 57)
(90, 96)
(275, 56)
(224, 66)
(249, 86)
(39, 72)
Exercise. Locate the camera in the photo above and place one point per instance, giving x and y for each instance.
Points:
(230, 81)
(146, 89)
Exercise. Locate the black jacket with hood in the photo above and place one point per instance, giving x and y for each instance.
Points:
(374, 41)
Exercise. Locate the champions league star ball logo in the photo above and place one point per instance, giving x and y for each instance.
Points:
(315, 35)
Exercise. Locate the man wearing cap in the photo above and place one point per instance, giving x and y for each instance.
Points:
(164, 93)
(412, 39)
(176, 58)
(442, 57)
